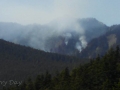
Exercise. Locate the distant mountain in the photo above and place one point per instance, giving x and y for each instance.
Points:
(73, 41)
(101, 44)
(64, 37)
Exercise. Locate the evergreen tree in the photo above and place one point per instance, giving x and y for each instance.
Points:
(23, 86)
(29, 85)
(39, 82)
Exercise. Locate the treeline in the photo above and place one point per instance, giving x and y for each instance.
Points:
(19, 62)
(102, 73)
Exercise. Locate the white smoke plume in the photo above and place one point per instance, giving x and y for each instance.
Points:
(83, 41)
(78, 46)
(44, 37)
(67, 36)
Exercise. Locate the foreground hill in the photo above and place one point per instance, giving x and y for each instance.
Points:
(18, 62)
(99, 74)
(103, 43)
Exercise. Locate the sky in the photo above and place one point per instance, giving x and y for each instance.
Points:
(44, 11)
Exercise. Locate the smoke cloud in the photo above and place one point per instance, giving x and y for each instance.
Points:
(62, 34)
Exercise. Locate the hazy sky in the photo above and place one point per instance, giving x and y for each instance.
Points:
(44, 11)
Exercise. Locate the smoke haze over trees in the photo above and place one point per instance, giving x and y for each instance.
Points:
(52, 36)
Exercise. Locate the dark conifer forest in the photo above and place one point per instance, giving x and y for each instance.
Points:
(101, 73)
(20, 62)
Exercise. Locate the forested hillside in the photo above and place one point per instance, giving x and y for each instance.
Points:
(103, 43)
(99, 74)
(19, 62)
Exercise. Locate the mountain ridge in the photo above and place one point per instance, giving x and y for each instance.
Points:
(17, 61)
(100, 45)
(84, 38)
